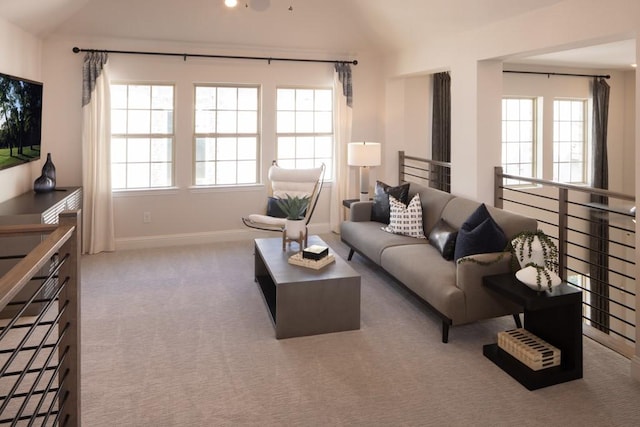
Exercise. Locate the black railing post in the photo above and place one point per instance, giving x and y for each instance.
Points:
(69, 375)
(563, 197)
(498, 184)
(400, 166)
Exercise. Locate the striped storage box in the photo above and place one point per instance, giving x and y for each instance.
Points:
(534, 352)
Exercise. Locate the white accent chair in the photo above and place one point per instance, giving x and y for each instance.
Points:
(292, 182)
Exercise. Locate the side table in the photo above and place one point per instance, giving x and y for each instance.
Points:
(554, 316)
(347, 202)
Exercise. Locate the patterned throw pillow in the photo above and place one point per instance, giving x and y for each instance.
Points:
(405, 220)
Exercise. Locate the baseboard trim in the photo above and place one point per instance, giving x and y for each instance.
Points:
(635, 368)
(184, 239)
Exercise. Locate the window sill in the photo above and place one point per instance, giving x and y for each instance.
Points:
(225, 188)
(145, 192)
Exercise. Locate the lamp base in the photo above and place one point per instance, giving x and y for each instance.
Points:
(364, 183)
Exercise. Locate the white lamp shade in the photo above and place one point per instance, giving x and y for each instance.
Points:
(364, 154)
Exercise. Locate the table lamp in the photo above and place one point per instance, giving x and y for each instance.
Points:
(365, 155)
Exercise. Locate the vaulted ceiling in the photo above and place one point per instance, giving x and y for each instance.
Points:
(312, 24)
(354, 25)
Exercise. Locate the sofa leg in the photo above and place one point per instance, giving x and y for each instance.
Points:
(350, 255)
(516, 317)
(445, 331)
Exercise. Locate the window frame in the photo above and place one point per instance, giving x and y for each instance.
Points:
(316, 160)
(585, 143)
(151, 135)
(215, 135)
(535, 143)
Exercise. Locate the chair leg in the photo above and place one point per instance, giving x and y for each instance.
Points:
(445, 331)
(516, 317)
(351, 252)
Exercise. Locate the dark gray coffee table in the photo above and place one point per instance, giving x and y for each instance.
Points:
(303, 301)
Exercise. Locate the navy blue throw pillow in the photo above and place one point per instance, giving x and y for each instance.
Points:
(381, 208)
(479, 234)
(273, 209)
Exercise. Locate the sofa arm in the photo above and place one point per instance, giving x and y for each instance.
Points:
(481, 302)
(360, 211)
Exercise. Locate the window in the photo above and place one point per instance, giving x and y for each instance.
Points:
(518, 137)
(141, 136)
(569, 142)
(304, 127)
(226, 135)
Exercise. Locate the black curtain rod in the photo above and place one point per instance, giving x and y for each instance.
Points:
(604, 76)
(198, 55)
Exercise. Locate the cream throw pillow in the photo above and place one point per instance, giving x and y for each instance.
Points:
(405, 220)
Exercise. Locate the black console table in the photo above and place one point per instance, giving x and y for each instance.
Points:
(554, 316)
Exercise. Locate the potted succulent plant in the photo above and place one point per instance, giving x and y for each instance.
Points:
(294, 208)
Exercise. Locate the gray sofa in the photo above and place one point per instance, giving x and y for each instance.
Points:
(453, 290)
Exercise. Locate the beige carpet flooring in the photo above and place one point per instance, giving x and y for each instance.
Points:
(181, 337)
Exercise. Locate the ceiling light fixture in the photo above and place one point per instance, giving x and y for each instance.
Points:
(257, 5)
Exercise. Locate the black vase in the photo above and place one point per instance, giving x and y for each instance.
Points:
(49, 169)
(47, 181)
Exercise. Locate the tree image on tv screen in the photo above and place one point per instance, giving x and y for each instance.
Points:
(20, 121)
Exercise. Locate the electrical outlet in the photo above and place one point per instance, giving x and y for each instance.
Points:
(146, 217)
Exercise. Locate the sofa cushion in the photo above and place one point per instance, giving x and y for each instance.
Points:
(381, 208)
(443, 238)
(479, 234)
(422, 269)
(433, 202)
(369, 239)
(406, 220)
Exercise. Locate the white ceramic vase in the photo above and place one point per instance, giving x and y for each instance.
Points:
(294, 227)
(529, 276)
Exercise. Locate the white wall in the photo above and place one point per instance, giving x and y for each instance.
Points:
(474, 145)
(20, 55)
(191, 214)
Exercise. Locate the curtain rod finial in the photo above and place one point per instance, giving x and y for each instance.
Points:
(355, 62)
(76, 49)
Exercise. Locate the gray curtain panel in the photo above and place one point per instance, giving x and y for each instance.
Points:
(344, 75)
(441, 131)
(599, 223)
(91, 70)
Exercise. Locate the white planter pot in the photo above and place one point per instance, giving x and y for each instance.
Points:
(293, 228)
(537, 256)
(529, 276)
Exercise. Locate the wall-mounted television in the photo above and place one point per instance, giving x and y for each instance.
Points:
(20, 120)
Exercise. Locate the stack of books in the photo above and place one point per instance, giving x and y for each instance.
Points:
(529, 349)
(314, 256)
(315, 252)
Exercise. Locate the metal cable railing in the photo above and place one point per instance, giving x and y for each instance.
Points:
(596, 245)
(39, 328)
(424, 171)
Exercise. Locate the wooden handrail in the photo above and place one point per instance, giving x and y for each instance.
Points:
(16, 278)
(22, 229)
(59, 253)
(573, 187)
